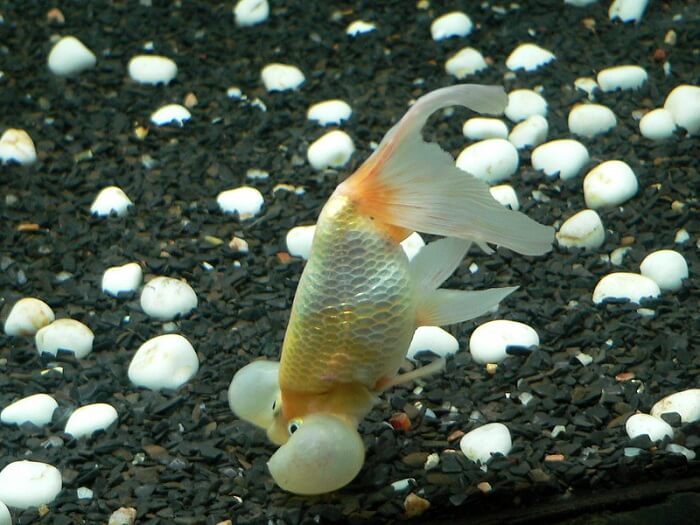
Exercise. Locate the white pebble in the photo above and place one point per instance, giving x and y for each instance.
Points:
(623, 285)
(67, 335)
(584, 359)
(667, 268)
(681, 237)
(654, 427)
(84, 493)
(622, 77)
(529, 57)
(433, 338)
(111, 199)
(432, 461)
(282, 77)
(412, 245)
(88, 419)
(16, 146)
(684, 104)
(589, 120)
(5, 517)
(565, 157)
(618, 255)
(582, 230)
(675, 448)
(451, 24)
(359, 27)
(246, 201)
(609, 184)
(489, 341)
(685, 403)
(480, 443)
(523, 103)
(165, 298)
(627, 10)
(122, 279)
(27, 316)
(37, 409)
(299, 240)
(658, 124)
(25, 484)
(332, 150)
(465, 62)
(588, 85)
(480, 128)
(152, 69)
(251, 12)
(166, 361)
(171, 113)
(491, 160)
(69, 56)
(329, 112)
(505, 194)
(530, 132)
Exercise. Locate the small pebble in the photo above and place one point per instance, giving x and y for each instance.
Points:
(84, 493)
(480, 443)
(491, 160)
(412, 245)
(329, 112)
(171, 114)
(589, 120)
(489, 342)
(27, 316)
(25, 484)
(152, 69)
(414, 505)
(505, 194)
(123, 516)
(622, 77)
(667, 268)
(88, 419)
(282, 77)
(299, 240)
(166, 361)
(449, 25)
(588, 85)
(618, 255)
(433, 338)
(332, 150)
(165, 298)
(623, 285)
(66, 335)
(246, 201)
(582, 230)
(565, 157)
(122, 279)
(627, 10)
(465, 62)
(529, 57)
(584, 359)
(251, 12)
(524, 103)
(530, 132)
(609, 184)
(359, 27)
(480, 128)
(17, 146)
(432, 461)
(654, 427)
(111, 199)
(674, 448)
(684, 105)
(37, 409)
(69, 56)
(658, 124)
(685, 403)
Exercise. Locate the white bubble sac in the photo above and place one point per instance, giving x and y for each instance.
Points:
(530, 132)
(329, 112)
(111, 199)
(37, 409)
(251, 12)
(684, 104)
(253, 392)
(122, 279)
(66, 335)
(667, 268)
(452, 24)
(171, 114)
(529, 57)
(582, 230)
(644, 424)
(412, 244)
(152, 69)
(246, 201)
(622, 77)
(589, 120)
(282, 77)
(523, 103)
(465, 62)
(332, 150)
(609, 184)
(433, 338)
(658, 124)
(299, 240)
(505, 194)
(69, 56)
(167, 361)
(88, 419)
(480, 128)
(627, 10)
(17, 146)
(685, 403)
(25, 484)
(565, 157)
(27, 316)
(491, 160)
(490, 341)
(624, 285)
(165, 298)
(479, 444)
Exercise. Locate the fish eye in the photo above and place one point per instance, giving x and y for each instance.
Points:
(274, 405)
(294, 425)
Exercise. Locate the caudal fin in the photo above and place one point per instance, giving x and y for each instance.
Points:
(415, 185)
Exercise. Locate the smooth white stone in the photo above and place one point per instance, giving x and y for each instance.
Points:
(640, 424)
(623, 285)
(609, 184)
(627, 10)
(253, 391)
(152, 69)
(171, 114)
(582, 230)
(27, 316)
(529, 57)
(480, 443)
(658, 124)
(69, 56)
(452, 24)
(465, 62)
(166, 361)
(412, 245)
(432, 461)
(282, 77)
(246, 201)
(5, 517)
(674, 448)
(565, 157)
(622, 77)
(489, 341)
(299, 240)
(681, 237)
(251, 12)
(491, 160)
(584, 359)
(480, 128)
(684, 104)
(402, 484)
(88, 419)
(589, 120)
(164, 298)
(122, 279)
(618, 255)
(530, 132)
(25, 484)
(332, 150)
(632, 452)
(524, 103)
(84, 493)
(587, 85)
(111, 199)
(433, 338)
(505, 194)
(667, 268)
(37, 409)
(65, 334)
(359, 27)
(17, 146)
(685, 403)
(329, 112)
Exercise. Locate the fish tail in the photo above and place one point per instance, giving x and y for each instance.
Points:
(416, 186)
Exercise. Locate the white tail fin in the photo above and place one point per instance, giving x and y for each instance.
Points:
(415, 185)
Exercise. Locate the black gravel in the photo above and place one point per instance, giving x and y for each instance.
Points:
(181, 457)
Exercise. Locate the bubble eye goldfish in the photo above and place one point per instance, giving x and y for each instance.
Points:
(359, 299)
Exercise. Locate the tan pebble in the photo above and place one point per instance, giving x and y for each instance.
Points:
(123, 516)
(671, 38)
(227, 522)
(589, 23)
(141, 132)
(190, 100)
(627, 240)
(43, 510)
(55, 16)
(554, 457)
(27, 227)
(677, 206)
(624, 376)
(485, 487)
(415, 505)
(455, 435)
(491, 368)
(284, 257)
(238, 245)
(214, 241)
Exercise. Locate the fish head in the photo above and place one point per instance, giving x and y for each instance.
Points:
(282, 426)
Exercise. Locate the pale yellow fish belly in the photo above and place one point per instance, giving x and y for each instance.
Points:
(354, 311)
